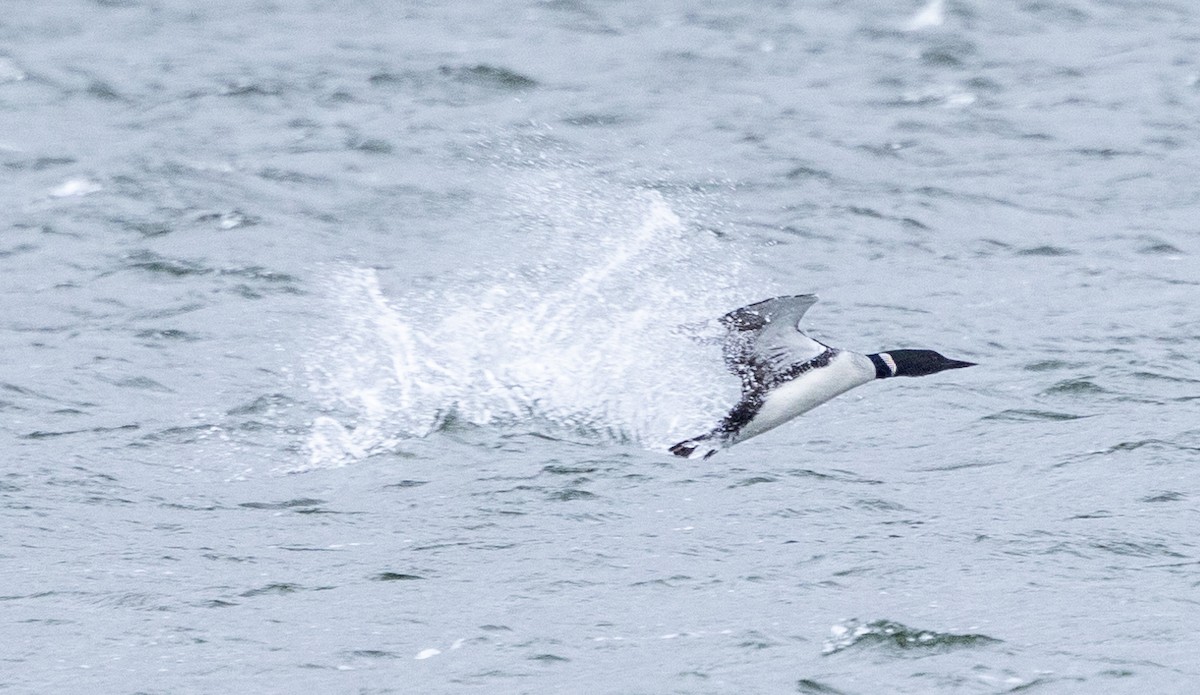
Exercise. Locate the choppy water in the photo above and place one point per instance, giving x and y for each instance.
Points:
(342, 342)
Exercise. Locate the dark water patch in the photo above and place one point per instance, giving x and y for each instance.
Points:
(1105, 152)
(1154, 376)
(177, 267)
(338, 96)
(880, 505)
(232, 219)
(373, 654)
(190, 507)
(572, 495)
(148, 230)
(219, 603)
(228, 557)
(1165, 496)
(171, 311)
(837, 475)
(1037, 683)
(804, 233)
(275, 589)
(286, 504)
(259, 88)
(495, 628)
(1046, 366)
(963, 465)
(558, 469)
(986, 84)
(1131, 549)
(133, 600)
(167, 334)
(106, 501)
(519, 489)
(895, 307)
(1056, 12)
(287, 176)
(1075, 387)
(1045, 250)
(142, 383)
(865, 212)
(247, 292)
(948, 52)
(489, 76)
(404, 78)
(44, 621)
(1027, 415)
(369, 145)
(1098, 514)
(594, 517)
(1161, 248)
(754, 480)
(319, 510)
(181, 435)
(808, 686)
(1117, 673)
(549, 658)
(39, 163)
(440, 546)
(153, 263)
(98, 89)
(263, 404)
(757, 641)
(395, 577)
(806, 172)
(895, 636)
(257, 272)
(40, 434)
(672, 581)
(18, 250)
(406, 484)
(1151, 443)
(594, 120)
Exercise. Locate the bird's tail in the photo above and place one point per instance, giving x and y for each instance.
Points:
(698, 447)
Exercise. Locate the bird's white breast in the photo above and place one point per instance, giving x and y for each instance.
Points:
(812, 388)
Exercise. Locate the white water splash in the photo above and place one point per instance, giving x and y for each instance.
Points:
(930, 16)
(584, 341)
(74, 188)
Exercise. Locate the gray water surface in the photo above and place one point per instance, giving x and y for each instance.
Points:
(343, 341)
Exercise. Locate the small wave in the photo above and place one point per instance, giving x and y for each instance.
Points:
(1029, 415)
(490, 76)
(893, 635)
(1075, 387)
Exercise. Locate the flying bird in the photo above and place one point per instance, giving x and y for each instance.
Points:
(785, 373)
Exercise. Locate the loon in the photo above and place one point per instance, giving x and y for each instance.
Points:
(785, 373)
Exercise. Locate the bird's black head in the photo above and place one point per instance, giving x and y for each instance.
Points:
(913, 363)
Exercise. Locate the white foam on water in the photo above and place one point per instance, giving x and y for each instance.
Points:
(932, 15)
(10, 71)
(602, 334)
(75, 187)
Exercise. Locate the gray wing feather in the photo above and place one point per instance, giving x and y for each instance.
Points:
(764, 339)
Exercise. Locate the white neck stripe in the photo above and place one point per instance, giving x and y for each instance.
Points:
(891, 364)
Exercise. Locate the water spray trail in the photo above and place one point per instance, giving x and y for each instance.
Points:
(584, 343)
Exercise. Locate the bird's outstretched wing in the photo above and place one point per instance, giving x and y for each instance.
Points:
(763, 340)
